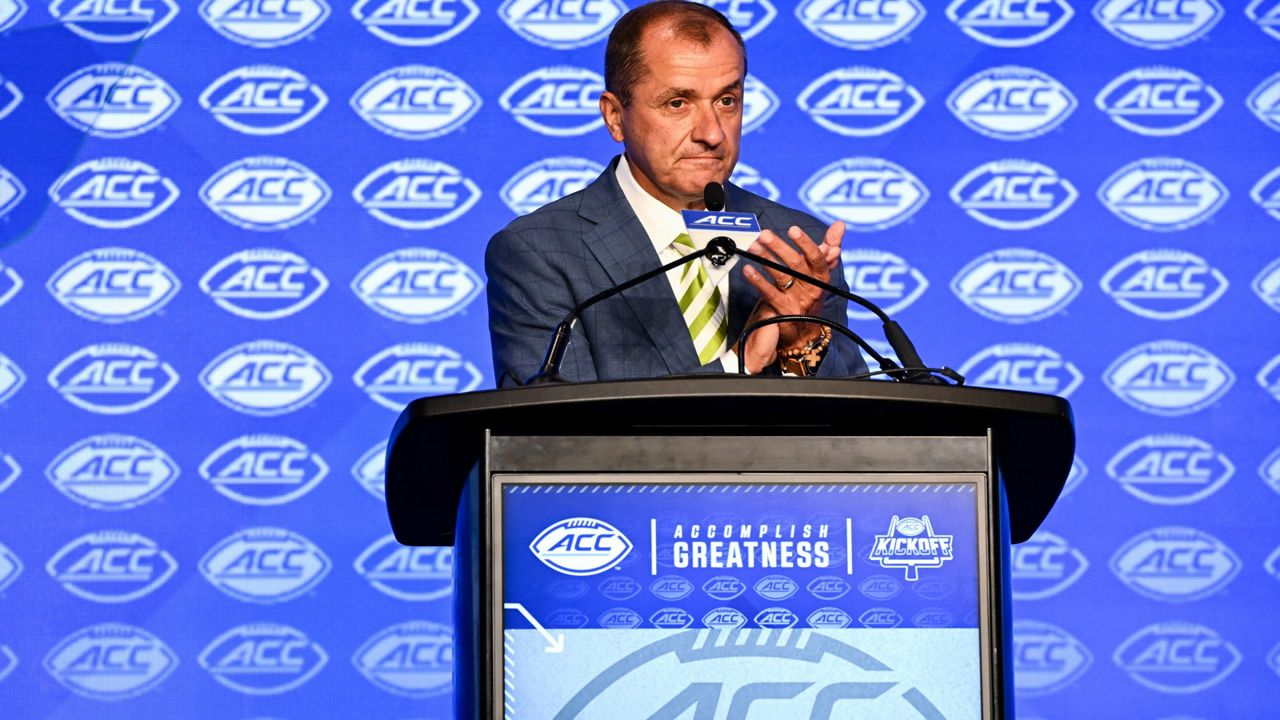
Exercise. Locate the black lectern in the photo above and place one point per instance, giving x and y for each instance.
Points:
(730, 547)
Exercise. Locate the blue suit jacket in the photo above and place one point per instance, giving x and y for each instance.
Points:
(544, 263)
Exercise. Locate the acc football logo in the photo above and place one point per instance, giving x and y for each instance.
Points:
(1158, 25)
(263, 469)
(113, 285)
(829, 587)
(776, 587)
(10, 567)
(1011, 103)
(671, 618)
(1175, 564)
(11, 11)
(561, 25)
(882, 277)
(263, 100)
(559, 101)
(880, 617)
(1163, 194)
(1164, 284)
(1266, 285)
(415, 24)
(724, 618)
(880, 587)
(111, 566)
(107, 21)
(1159, 101)
(416, 194)
(113, 193)
(866, 193)
(113, 378)
(1022, 366)
(1177, 657)
(371, 471)
(112, 472)
(11, 378)
(8, 661)
(860, 25)
(110, 662)
(568, 589)
(414, 574)
(113, 100)
(1266, 193)
(724, 587)
(1269, 377)
(750, 179)
(416, 102)
(11, 191)
(1264, 101)
(9, 470)
(413, 659)
(1046, 658)
(1014, 194)
(546, 181)
(619, 619)
(1044, 566)
(860, 101)
(1169, 377)
(263, 659)
(1267, 18)
(1009, 24)
(265, 378)
(265, 193)
(776, 618)
(567, 619)
(265, 565)
(263, 24)
(580, 546)
(619, 588)
(402, 373)
(748, 17)
(1016, 285)
(1170, 469)
(933, 617)
(911, 544)
(10, 97)
(263, 283)
(759, 103)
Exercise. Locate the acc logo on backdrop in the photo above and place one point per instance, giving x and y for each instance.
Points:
(1046, 658)
(263, 658)
(560, 101)
(1163, 194)
(1009, 24)
(1016, 285)
(417, 285)
(1170, 469)
(619, 588)
(11, 191)
(671, 618)
(112, 472)
(1266, 193)
(263, 99)
(370, 471)
(10, 283)
(1022, 366)
(11, 11)
(776, 587)
(748, 17)
(724, 587)
(1267, 285)
(775, 618)
(111, 22)
(416, 193)
(1044, 566)
(407, 573)
(750, 179)
(264, 25)
(113, 100)
(1264, 101)
(866, 193)
(9, 470)
(265, 193)
(416, 102)
(1160, 101)
(8, 661)
(113, 285)
(1014, 194)
(860, 25)
(110, 662)
(263, 469)
(10, 97)
(1269, 377)
(1177, 657)
(412, 659)
(580, 546)
(265, 378)
(1011, 102)
(110, 566)
(724, 618)
(113, 378)
(10, 567)
(860, 101)
(561, 26)
(832, 587)
(1169, 377)
(405, 372)
(265, 565)
(882, 277)
(759, 103)
(414, 24)
(547, 180)
(1164, 284)
(263, 283)
(619, 618)
(1158, 25)
(1267, 18)
(113, 193)
(879, 617)
(1175, 564)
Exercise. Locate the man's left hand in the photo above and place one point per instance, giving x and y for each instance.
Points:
(777, 289)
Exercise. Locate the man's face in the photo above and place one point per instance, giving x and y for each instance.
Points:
(684, 124)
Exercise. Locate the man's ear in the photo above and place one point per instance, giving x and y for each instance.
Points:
(611, 111)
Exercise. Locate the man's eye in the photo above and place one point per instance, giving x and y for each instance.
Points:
(728, 101)
(677, 103)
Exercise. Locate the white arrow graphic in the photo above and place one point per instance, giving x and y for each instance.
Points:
(554, 644)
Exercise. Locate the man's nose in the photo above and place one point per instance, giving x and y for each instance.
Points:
(708, 127)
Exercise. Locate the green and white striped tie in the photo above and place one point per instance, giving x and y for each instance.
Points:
(700, 303)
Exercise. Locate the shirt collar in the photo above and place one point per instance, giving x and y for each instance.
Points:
(661, 223)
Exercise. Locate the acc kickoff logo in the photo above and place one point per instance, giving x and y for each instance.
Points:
(113, 378)
(263, 24)
(263, 659)
(888, 280)
(1159, 101)
(110, 662)
(113, 193)
(1177, 657)
(113, 285)
(1163, 194)
(561, 26)
(1014, 194)
(547, 180)
(416, 102)
(860, 25)
(1170, 469)
(415, 24)
(417, 285)
(1266, 13)
(263, 469)
(860, 101)
(265, 565)
(911, 544)
(1169, 377)
(263, 100)
(107, 21)
(113, 100)
(1156, 25)
(412, 659)
(1046, 658)
(1266, 193)
(416, 193)
(1044, 566)
(263, 283)
(370, 471)
(1027, 367)
(580, 546)
(750, 179)
(1175, 564)
(11, 11)
(405, 372)
(11, 191)
(1264, 101)
(1164, 284)
(265, 378)
(559, 101)
(1016, 285)
(868, 194)
(1009, 24)
(111, 566)
(414, 574)
(1011, 103)
(265, 193)
(112, 472)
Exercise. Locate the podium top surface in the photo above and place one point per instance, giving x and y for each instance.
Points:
(438, 440)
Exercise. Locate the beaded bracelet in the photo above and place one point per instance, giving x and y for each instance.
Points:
(804, 361)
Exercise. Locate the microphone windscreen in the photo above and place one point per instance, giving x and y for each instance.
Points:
(713, 196)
